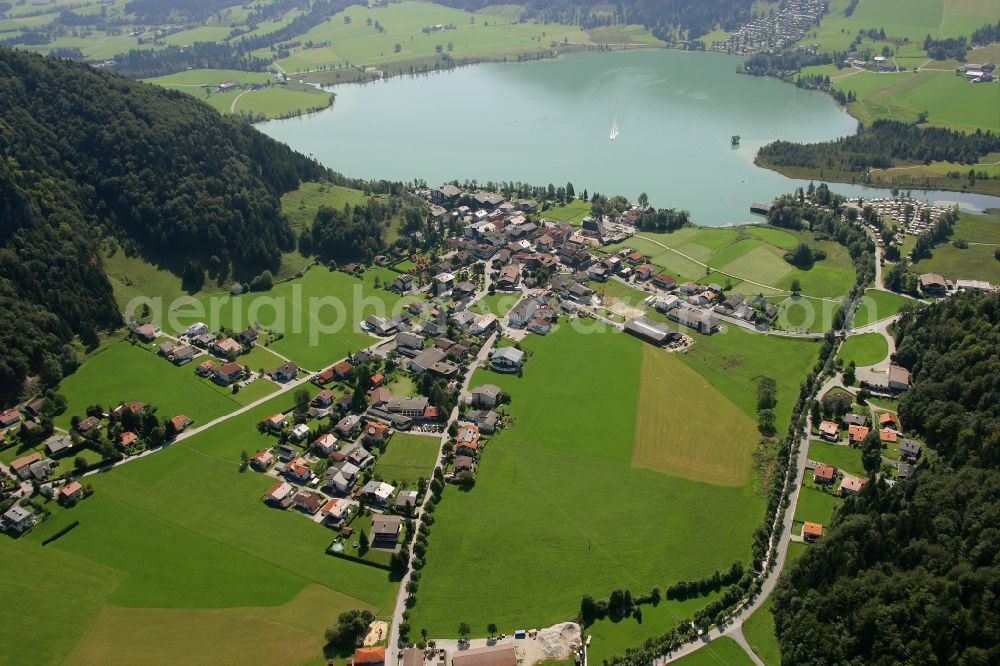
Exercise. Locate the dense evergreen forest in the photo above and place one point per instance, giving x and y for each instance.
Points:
(87, 154)
(881, 145)
(911, 574)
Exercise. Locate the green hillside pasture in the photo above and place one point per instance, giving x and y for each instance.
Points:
(713, 450)
(735, 360)
(478, 36)
(572, 212)
(125, 372)
(842, 457)
(864, 349)
(301, 205)
(557, 501)
(407, 458)
(949, 99)
(877, 305)
(317, 314)
(976, 262)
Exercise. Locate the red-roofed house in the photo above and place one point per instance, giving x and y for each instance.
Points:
(369, 655)
(811, 531)
(824, 474)
(857, 433)
(829, 431)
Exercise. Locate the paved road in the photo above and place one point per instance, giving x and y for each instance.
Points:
(733, 628)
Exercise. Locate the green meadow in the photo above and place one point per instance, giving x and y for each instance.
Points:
(723, 650)
(975, 262)
(864, 349)
(842, 457)
(559, 502)
(758, 629)
(182, 530)
(480, 35)
(317, 315)
(814, 506)
(750, 259)
(124, 372)
(407, 458)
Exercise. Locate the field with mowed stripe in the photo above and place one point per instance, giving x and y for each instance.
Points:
(685, 427)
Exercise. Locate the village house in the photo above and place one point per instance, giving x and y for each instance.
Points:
(285, 372)
(376, 432)
(196, 329)
(224, 348)
(851, 485)
(248, 337)
(404, 499)
(904, 470)
(856, 434)
(522, 313)
(402, 284)
(888, 420)
(510, 277)
(464, 464)
(146, 332)
(58, 445)
(408, 341)
(335, 511)
(87, 424)
(423, 361)
(325, 444)
(379, 397)
(71, 492)
(181, 355)
(342, 476)
(811, 531)
(205, 368)
(485, 419)
(486, 395)
(909, 450)
(323, 399)
(358, 455)
(483, 324)
(506, 359)
(180, 423)
(501, 654)
(467, 439)
(298, 471)
(933, 284)
(348, 425)
(308, 502)
(275, 422)
(9, 418)
(299, 432)
(887, 435)
(377, 492)
(703, 322)
(227, 373)
(644, 272)
(446, 195)
(18, 519)
(262, 460)
(855, 419)
(126, 439)
(664, 281)
(829, 431)
(824, 474)
(286, 452)
(385, 530)
(22, 466)
(280, 494)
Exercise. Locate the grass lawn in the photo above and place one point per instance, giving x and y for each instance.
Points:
(498, 303)
(572, 212)
(814, 506)
(715, 450)
(842, 457)
(722, 650)
(407, 458)
(317, 314)
(124, 372)
(271, 102)
(558, 500)
(133, 277)
(877, 305)
(197, 78)
(178, 535)
(801, 313)
(864, 349)
(975, 262)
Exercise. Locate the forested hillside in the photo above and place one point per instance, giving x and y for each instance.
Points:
(694, 17)
(911, 574)
(87, 154)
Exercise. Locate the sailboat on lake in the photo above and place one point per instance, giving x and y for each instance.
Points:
(614, 129)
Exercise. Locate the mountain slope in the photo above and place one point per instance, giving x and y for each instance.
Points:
(86, 154)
